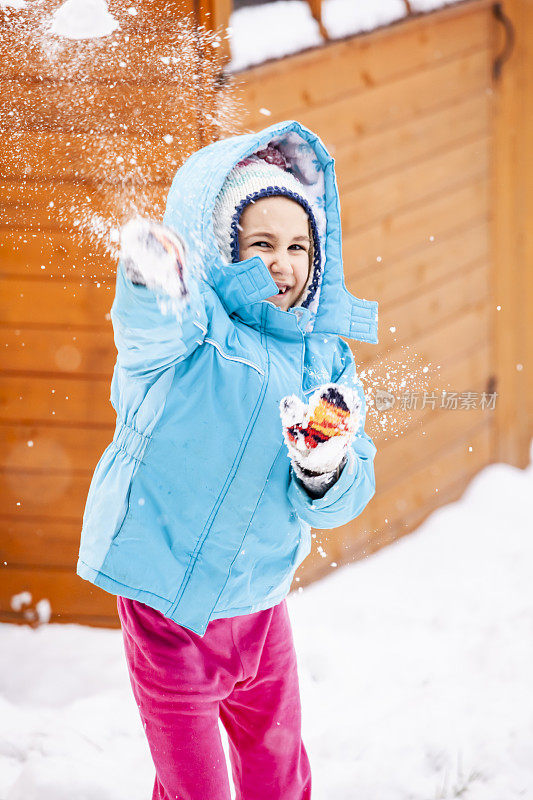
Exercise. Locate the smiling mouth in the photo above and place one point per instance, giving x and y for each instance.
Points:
(283, 289)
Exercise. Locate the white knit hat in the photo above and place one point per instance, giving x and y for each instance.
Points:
(252, 179)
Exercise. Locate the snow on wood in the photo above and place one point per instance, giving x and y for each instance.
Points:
(281, 27)
(271, 30)
(346, 18)
(423, 6)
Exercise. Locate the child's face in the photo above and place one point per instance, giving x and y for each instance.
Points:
(277, 229)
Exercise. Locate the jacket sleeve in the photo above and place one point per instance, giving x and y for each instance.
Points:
(356, 484)
(149, 334)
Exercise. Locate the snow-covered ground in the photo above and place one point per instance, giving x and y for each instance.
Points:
(416, 673)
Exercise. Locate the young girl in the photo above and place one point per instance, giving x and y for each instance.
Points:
(200, 509)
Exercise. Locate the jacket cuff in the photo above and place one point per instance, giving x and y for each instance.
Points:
(300, 497)
(316, 484)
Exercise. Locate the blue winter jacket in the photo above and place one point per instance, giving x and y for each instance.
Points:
(193, 508)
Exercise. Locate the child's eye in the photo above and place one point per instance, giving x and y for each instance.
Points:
(259, 244)
(299, 246)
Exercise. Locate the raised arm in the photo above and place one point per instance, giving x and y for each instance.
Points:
(158, 313)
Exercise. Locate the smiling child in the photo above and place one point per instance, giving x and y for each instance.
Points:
(200, 510)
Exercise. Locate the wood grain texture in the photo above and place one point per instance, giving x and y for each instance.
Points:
(112, 158)
(52, 302)
(396, 102)
(67, 350)
(49, 447)
(75, 107)
(399, 278)
(382, 197)
(411, 228)
(359, 64)
(35, 493)
(75, 205)
(364, 158)
(70, 597)
(26, 398)
(39, 543)
(67, 256)
(512, 203)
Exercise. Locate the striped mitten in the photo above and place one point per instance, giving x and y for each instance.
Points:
(318, 434)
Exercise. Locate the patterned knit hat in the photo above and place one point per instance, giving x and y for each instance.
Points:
(263, 174)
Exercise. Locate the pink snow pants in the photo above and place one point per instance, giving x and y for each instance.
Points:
(242, 670)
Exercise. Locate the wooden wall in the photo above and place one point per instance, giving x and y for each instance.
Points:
(416, 124)
(411, 116)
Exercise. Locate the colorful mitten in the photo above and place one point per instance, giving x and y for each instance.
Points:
(318, 434)
(154, 256)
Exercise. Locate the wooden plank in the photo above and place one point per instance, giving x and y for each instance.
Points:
(111, 622)
(409, 229)
(50, 350)
(512, 195)
(112, 158)
(54, 542)
(416, 487)
(61, 495)
(400, 278)
(66, 205)
(525, 374)
(362, 62)
(407, 320)
(400, 100)
(422, 443)
(24, 398)
(381, 152)
(70, 597)
(48, 301)
(215, 15)
(366, 203)
(40, 543)
(439, 347)
(421, 487)
(72, 257)
(75, 107)
(467, 371)
(449, 492)
(52, 447)
(367, 542)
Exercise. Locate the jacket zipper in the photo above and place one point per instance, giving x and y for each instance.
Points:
(225, 488)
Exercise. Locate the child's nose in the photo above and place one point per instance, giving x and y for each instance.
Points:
(281, 263)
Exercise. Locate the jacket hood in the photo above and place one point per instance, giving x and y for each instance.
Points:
(243, 286)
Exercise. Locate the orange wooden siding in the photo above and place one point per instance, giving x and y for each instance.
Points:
(409, 114)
